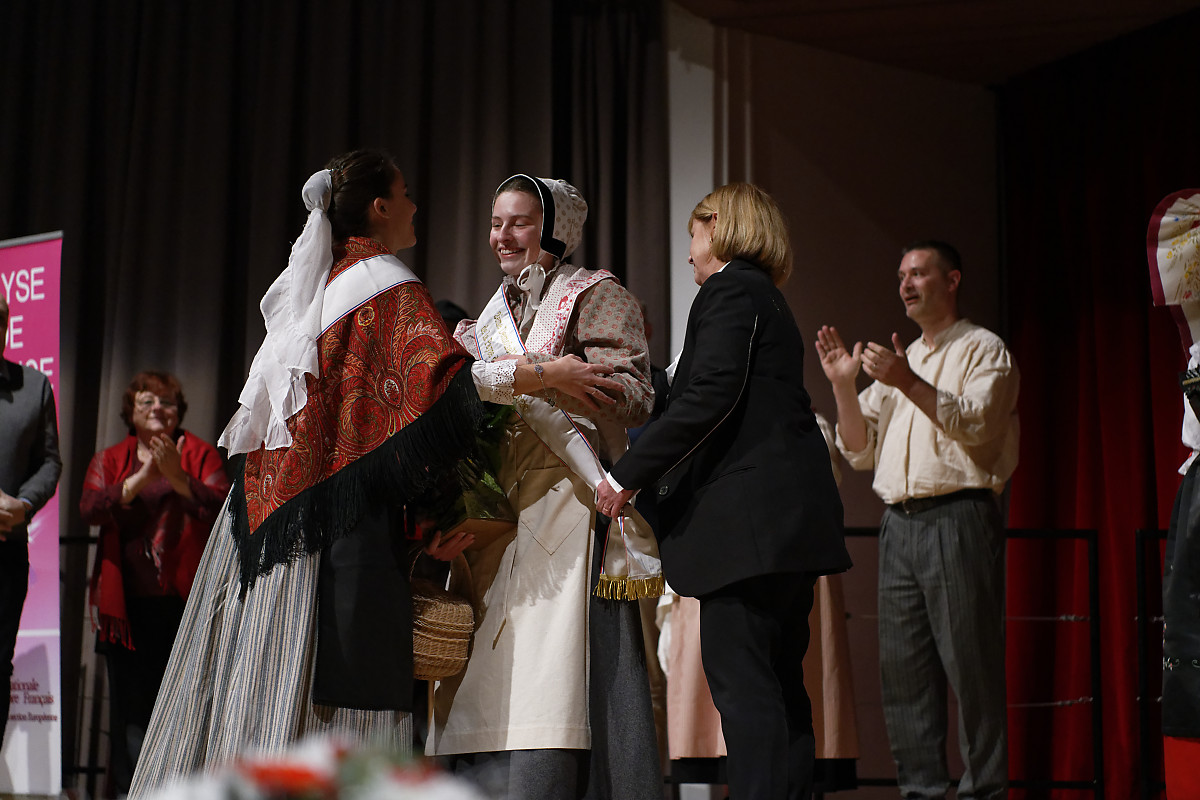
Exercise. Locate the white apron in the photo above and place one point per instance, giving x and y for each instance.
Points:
(526, 683)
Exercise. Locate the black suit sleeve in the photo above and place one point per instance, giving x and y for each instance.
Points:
(662, 388)
(717, 366)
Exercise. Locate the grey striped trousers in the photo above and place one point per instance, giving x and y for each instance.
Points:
(240, 675)
(941, 619)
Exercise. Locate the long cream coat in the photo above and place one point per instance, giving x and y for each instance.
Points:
(532, 589)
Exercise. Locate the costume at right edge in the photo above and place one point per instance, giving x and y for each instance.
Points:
(1173, 253)
(1181, 587)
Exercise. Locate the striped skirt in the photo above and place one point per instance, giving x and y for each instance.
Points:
(240, 676)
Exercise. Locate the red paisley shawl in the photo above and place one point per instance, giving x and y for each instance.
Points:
(366, 434)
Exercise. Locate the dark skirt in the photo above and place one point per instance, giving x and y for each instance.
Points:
(1181, 613)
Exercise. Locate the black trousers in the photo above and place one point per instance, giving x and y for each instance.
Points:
(134, 677)
(14, 583)
(753, 636)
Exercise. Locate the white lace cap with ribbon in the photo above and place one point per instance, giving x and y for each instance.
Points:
(276, 387)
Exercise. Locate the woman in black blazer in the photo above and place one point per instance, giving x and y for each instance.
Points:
(749, 512)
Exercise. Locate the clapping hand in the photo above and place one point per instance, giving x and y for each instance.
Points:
(165, 455)
(840, 365)
(888, 366)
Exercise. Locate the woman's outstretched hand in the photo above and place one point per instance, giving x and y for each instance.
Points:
(581, 380)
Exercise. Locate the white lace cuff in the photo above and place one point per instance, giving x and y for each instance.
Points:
(494, 380)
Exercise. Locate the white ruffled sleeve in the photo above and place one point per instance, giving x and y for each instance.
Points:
(494, 380)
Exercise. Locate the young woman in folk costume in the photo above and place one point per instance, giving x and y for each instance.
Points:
(356, 399)
(557, 667)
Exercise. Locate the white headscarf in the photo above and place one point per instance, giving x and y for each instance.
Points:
(276, 388)
(563, 213)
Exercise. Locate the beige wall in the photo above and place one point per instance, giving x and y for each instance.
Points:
(863, 159)
(691, 56)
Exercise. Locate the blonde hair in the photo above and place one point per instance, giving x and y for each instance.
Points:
(750, 226)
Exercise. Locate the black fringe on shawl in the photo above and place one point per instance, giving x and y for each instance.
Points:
(404, 467)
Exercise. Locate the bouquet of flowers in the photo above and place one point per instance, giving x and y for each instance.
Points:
(469, 498)
(321, 768)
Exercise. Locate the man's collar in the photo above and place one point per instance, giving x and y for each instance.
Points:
(6, 368)
(946, 334)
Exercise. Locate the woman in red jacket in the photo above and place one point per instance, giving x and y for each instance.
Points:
(155, 495)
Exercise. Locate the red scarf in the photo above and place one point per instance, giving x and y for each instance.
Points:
(385, 411)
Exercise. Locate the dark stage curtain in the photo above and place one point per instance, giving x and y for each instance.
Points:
(170, 141)
(1089, 146)
(612, 62)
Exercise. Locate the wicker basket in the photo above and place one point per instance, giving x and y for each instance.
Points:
(442, 626)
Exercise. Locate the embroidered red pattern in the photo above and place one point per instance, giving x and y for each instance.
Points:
(382, 366)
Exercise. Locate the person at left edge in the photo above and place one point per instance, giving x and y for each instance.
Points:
(749, 514)
(29, 470)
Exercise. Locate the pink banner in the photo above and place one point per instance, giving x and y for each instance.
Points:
(31, 761)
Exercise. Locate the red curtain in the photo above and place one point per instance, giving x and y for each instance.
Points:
(1089, 146)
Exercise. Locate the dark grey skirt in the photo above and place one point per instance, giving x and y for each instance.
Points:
(1181, 613)
(623, 763)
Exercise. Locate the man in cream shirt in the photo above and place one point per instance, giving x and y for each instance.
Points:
(939, 427)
